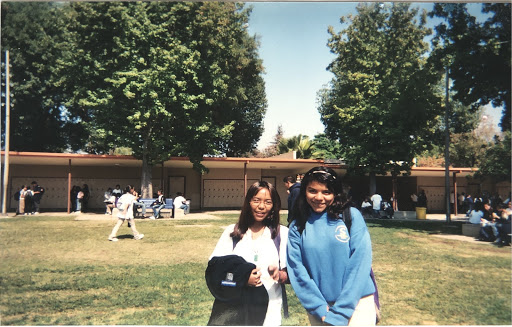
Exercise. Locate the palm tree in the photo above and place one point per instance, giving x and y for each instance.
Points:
(300, 143)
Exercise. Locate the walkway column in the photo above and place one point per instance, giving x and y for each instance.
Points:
(455, 200)
(394, 192)
(245, 177)
(69, 187)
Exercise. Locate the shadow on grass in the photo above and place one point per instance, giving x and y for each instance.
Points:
(430, 227)
(125, 236)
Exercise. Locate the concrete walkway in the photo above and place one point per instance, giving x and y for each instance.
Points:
(209, 214)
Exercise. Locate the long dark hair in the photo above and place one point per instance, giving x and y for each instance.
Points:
(340, 205)
(128, 189)
(246, 218)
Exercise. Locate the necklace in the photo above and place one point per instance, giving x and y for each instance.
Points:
(255, 238)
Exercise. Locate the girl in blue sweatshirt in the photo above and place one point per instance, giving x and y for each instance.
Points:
(330, 254)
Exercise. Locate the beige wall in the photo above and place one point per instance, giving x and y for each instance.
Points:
(220, 188)
(223, 188)
(192, 187)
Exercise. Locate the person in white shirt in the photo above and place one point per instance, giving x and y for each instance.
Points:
(125, 206)
(477, 214)
(253, 238)
(366, 207)
(376, 200)
(181, 203)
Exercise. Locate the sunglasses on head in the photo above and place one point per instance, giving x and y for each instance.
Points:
(323, 173)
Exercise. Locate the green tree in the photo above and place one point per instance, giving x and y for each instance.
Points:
(33, 32)
(273, 149)
(165, 78)
(299, 143)
(478, 54)
(381, 103)
(466, 149)
(495, 163)
(325, 148)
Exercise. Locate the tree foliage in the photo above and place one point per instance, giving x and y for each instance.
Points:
(381, 102)
(173, 77)
(165, 78)
(300, 143)
(478, 54)
(326, 148)
(33, 32)
(496, 161)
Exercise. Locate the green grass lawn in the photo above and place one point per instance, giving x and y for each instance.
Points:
(57, 271)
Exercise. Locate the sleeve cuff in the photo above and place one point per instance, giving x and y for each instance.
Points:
(320, 312)
(336, 319)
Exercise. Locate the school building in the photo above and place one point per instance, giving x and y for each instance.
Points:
(223, 187)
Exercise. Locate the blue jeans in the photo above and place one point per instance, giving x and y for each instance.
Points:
(185, 208)
(78, 205)
(139, 204)
(156, 210)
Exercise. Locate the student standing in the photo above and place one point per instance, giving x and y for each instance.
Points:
(293, 188)
(125, 206)
(37, 194)
(23, 194)
(330, 254)
(376, 202)
(253, 238)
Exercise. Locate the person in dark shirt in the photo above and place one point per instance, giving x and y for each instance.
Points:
(38, 192)
(293, 188)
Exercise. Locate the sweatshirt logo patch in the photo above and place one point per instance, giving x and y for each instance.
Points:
(341, 234)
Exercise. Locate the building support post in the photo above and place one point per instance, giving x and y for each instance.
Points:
(69, 186)
(455, 197)
(245, 177)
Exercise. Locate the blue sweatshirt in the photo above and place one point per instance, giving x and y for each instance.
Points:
(329, 267)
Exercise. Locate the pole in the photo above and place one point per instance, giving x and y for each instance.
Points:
(1, 108)
(245, 177)
(69, 186)
(7, 131)
(455, 198)
(447, 150)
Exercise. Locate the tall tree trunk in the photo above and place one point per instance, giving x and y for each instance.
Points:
(373, 183)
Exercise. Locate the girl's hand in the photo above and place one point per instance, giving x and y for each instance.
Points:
(323, 318)
(283, 276)
(273, 271)
(255, 278)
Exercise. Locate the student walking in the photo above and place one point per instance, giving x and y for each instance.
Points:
(125, 206)
(330, 254)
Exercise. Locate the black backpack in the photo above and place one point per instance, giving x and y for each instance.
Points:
(277, 243)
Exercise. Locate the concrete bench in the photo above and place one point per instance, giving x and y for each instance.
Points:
(405, 215)
(472, 230)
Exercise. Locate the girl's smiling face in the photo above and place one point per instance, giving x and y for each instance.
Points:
(318, 196)
(261, 204)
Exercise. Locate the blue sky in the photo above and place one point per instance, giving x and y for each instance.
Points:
(293, 37)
